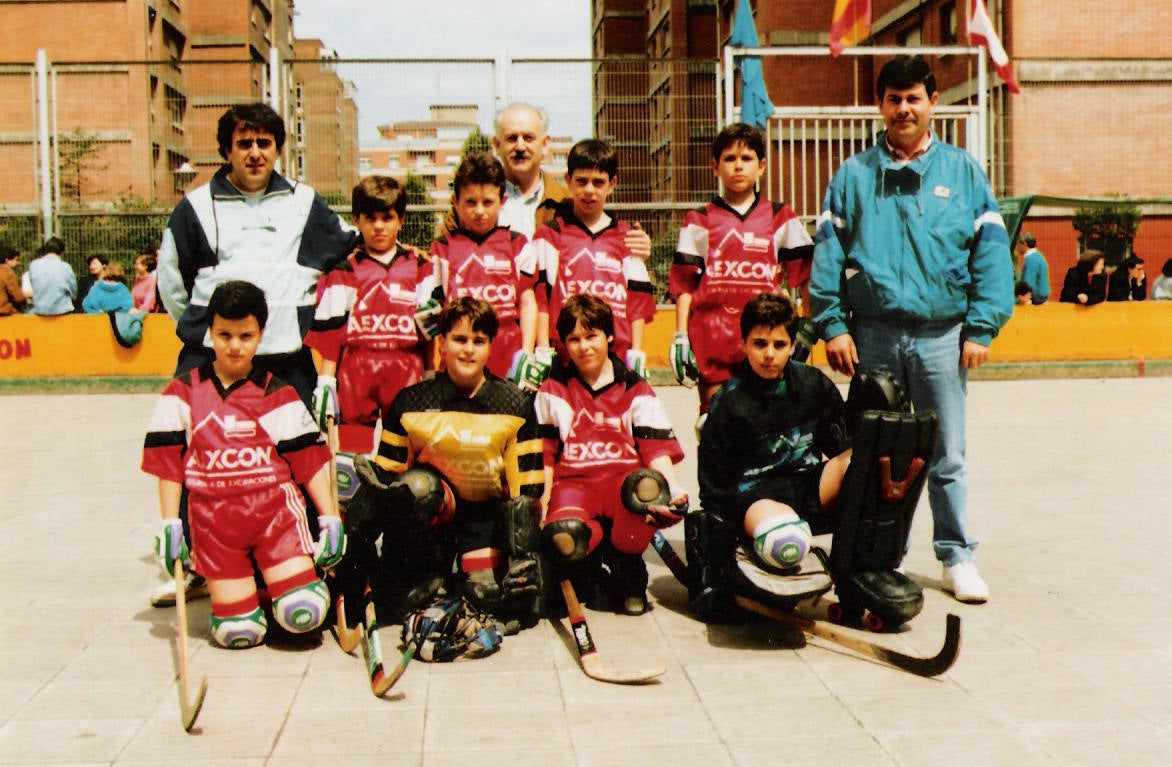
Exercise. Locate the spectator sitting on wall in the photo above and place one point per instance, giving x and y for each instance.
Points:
(1022, 295)
(1128, 282)
(110, 293)
(145, 292)
(1162, 285)
(1085, 282)
(12, 298)
(95, 264)
(54, 285)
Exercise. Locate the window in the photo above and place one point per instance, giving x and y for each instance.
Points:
(948, 23)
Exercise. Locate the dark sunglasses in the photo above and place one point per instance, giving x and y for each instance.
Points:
(246, 143)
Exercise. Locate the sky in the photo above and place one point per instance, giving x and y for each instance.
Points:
(440, 29)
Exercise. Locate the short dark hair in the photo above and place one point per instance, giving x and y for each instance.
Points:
(769, 310)
(1021, 288)
(480, 316)
(1131, 261)
(54, 245)
(593, 154)
(904, 72)
(256, 116)
(1029, 239)
(236, 300)
(1166, 269)
(479, 168)
(739, 133)
(378, 194)
(591, 311)
(7, 252)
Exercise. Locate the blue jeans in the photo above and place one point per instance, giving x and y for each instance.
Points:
(924, 357)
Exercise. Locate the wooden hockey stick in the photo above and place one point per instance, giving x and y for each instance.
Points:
(381, 678)
(591, 662)
(933, 666)
(346, 637)
(188, 708)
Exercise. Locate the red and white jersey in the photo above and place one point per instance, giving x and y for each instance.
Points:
(365, 304)
(723, 258)
(615, 430)
(256, 434)
(497, 268)
(571, 259)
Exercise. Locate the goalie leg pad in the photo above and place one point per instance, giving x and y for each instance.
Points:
(710, 543)
(239, 632)
(524, 583)
(873, 390)
(567, 540)
(302, 608)
(644, 487)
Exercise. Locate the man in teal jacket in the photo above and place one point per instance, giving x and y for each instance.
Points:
(912, 275)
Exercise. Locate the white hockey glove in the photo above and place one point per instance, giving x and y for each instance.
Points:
(683, 362)
(427, 318)
(331, 542)
(637, 362)
(325, 400)
(170, 546)
(527, 371)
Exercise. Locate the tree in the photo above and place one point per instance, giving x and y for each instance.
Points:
(1109, 228)
(475, 143)
(78, 155)
(420, 225)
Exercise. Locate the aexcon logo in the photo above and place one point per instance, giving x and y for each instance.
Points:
(595, 451)
(381, 323)
(494, 294)
(741, 270)
(232, 458)
(613, 292)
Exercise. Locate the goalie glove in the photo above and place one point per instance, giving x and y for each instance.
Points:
(683, 362)
(527, 371)
(331, 542)
(660, 517)
(637, 362)
(807, 336)
(325, 401)
(170, 546)
(427, 318)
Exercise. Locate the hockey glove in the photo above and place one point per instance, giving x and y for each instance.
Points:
(527, 371)
(170, 546)
(331, 542)
(683, 362)
(660, 517)
(807, 336)
(427, 318)
(637, 362)
(325, 401)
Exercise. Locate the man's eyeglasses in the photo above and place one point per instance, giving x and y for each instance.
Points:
(245, 144)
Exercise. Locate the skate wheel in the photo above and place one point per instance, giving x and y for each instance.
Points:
(875, 622)
(837, 613)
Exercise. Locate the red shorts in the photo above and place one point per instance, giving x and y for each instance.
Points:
(589, 499)
(504, 346)
(269, 523)
(715, 335)
(368, 381)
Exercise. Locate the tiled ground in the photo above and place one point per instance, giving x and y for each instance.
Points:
(1068, 664)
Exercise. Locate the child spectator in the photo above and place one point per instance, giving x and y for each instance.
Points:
(237, 439)
(730, 250)
(364, 324)
(480, 259)
(145, 289)
(1022, 294)
(600, 421)
(109, 293)
(583, 250)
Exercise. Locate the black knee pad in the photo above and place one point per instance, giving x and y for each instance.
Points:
(643, 487)
(710, 543)
(566, 541)
(873, 390)
(431, 496)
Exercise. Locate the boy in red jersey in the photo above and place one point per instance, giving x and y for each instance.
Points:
(364, 325)
(584, 250)
(239, 439)
(599, 421)
(480, 259)
(736, 246)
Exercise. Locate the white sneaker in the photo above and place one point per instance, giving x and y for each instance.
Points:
(965, 583)
(164, 595)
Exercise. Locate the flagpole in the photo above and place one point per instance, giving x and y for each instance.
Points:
(729, 85)
(983, 112)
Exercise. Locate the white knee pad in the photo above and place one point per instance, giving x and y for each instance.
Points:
(782, 540)
(303, 608)
(239, 632)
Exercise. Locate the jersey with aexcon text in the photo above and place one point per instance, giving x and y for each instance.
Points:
(495, 268)
(724, 258)
(257, 433)
(485, 445)
(616, 429)
(571, 259)
(368, 305)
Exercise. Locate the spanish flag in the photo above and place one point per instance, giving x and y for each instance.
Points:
(850, 25)
(981, 32)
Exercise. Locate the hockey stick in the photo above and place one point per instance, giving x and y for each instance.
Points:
(346, 637)
(188, 708)
(592, 664)
(933, 666)
(381, 679)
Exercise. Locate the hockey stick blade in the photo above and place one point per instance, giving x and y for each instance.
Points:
(382, 679)
(928, 667)
(669, 556)
(188, 708)
(592, 663)
(347, 637)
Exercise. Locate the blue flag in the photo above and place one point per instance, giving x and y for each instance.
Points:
(755, 104)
